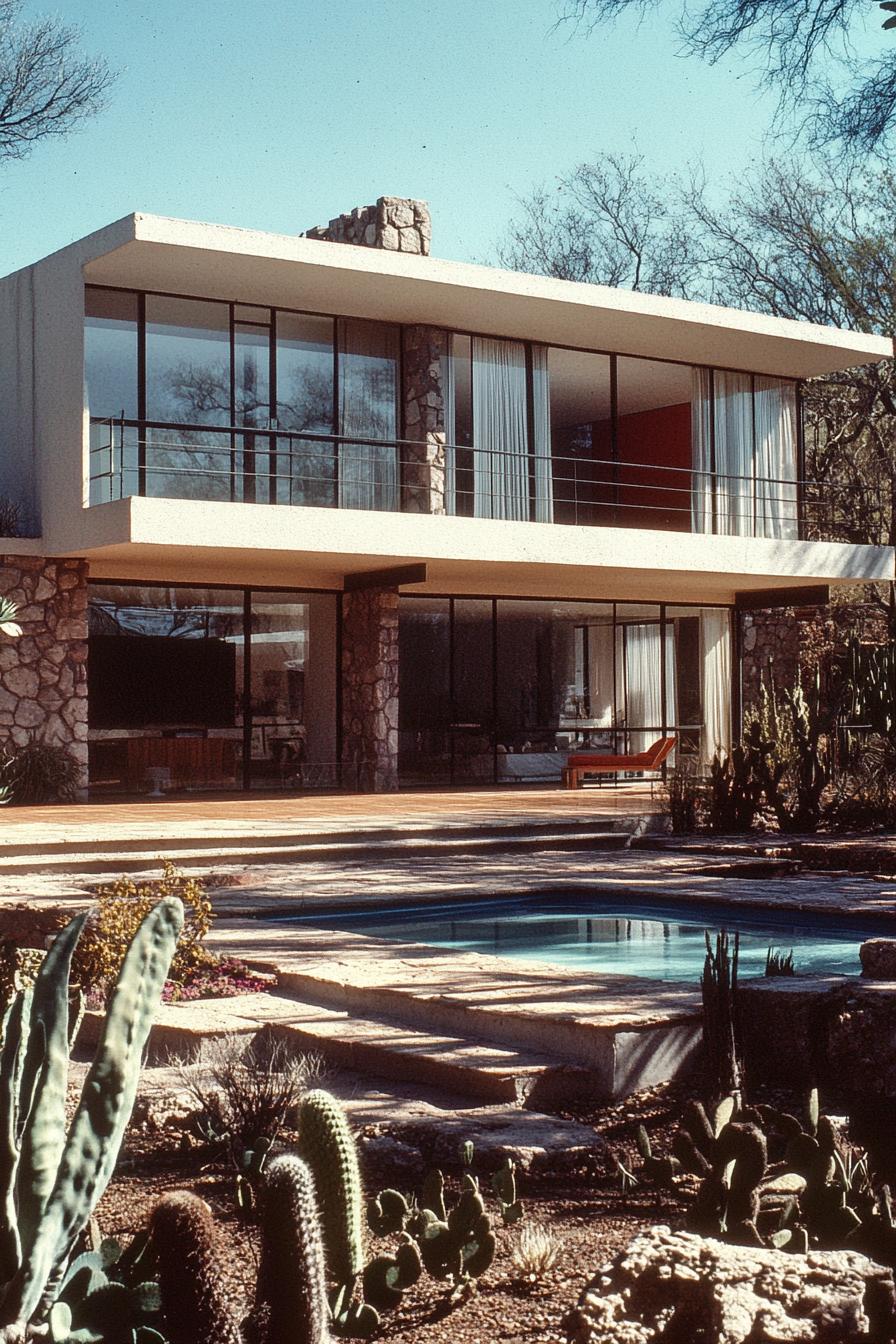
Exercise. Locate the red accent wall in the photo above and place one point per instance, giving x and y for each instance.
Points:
(648, 495)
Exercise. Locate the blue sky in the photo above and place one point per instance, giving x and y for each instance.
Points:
(279, 115)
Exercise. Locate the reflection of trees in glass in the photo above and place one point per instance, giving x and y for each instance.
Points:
(307, 402)
(196, 393)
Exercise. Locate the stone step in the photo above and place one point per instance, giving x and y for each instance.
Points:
(629, 1032)
(296, 833)
(370, 1045)
(254, 850)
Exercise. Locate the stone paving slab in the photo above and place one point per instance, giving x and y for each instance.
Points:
(627, 877)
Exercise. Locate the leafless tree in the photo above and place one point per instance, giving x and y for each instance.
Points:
(804, 48)
(815, 244)
(609, 223)
(47, 85)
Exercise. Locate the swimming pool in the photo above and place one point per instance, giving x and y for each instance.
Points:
(657, 941)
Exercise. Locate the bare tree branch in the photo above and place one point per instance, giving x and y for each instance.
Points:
(801, 48)
(47, 86)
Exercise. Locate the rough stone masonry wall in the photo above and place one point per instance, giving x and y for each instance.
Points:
(43, 673)
(370, 690)
(423, 455)
(795, 638)
(394, 224)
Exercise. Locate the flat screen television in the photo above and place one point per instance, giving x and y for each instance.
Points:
(148, 681)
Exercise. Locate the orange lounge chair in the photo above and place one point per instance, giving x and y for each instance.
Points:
(581, 764)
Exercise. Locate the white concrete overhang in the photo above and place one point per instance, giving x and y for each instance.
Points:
(187, 540)
(180, 256)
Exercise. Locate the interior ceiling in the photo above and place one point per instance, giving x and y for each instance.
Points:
(580, 386)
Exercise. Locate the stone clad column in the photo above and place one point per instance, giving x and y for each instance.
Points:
(370, 690)
(43, 673)
(423, 456)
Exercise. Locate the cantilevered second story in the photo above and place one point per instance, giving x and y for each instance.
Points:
(235, 405)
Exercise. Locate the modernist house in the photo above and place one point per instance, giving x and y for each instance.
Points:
(324, 510)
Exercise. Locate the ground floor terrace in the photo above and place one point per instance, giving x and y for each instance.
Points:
(198, 688)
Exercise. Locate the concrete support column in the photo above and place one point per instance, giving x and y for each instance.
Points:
(43, 673)
(423, 459)
(370, 689)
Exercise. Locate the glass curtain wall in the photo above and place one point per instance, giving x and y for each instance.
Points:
(110, 379)
(504, 690)
(208, 689)
(211, 373)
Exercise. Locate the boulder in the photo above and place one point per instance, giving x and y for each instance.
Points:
(878, 958)
(674, 1286)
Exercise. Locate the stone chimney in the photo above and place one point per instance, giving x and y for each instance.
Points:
(394, 224)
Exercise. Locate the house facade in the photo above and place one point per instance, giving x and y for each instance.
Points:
(323, 510)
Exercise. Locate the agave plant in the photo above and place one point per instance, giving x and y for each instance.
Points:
(8, 613)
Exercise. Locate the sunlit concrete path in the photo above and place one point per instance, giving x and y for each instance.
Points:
(104, 822)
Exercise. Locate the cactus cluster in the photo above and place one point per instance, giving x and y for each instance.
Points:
(767, 1178)
(455, 1244)
(51, 1180)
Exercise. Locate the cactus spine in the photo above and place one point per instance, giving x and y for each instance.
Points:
(328, 1146)
(54, 1182)
(194, 1302)
(291, 1296)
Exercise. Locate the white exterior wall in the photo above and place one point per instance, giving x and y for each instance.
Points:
(44, 434)
(18, 443)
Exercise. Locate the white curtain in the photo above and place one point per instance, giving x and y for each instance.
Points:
(368, 473)
(701, 440)
(541, 435)
(501, 451)
(715, 640)
(449, 395)
(644, 685)
(776, 437)
(753, 490)
(734, 454)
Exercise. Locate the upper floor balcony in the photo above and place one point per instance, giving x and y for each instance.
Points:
(201, 400)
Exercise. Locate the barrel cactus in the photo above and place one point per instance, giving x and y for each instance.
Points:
(195, 1304)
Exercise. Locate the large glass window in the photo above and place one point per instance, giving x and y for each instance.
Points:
(558, 677)
(368, 408)
(306, 377)
(424, 689)
(654, 444)
(497, 426)
(187, 383)
(185, 696)
(473, 703)
(584, 473)
(110, 377)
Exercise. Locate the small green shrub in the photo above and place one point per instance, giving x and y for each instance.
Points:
(120, 909)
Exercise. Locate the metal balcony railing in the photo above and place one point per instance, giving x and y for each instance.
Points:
(274, 466)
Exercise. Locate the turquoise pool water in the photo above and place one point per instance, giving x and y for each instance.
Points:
(661, 942)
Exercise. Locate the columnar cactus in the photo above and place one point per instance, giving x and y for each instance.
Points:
(291, 1295)
(50, 1182)
(328, 1146)
(195, 1304)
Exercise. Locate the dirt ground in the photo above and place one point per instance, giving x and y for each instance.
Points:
(589, 1212)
